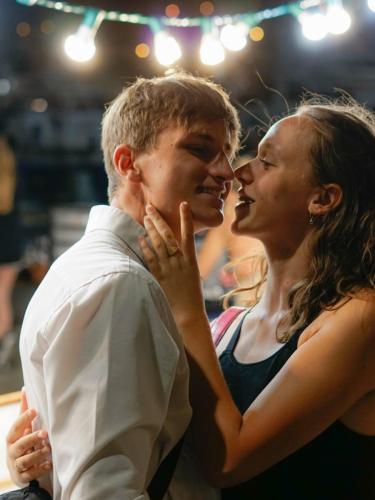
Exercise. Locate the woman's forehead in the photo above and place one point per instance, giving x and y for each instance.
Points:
(289, 135)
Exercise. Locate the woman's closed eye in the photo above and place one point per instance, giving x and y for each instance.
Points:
(266, 164)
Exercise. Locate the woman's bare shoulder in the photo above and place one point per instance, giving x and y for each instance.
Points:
(355, 313)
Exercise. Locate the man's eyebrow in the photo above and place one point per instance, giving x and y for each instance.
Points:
(201, 135)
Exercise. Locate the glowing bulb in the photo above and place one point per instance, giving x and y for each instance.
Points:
(338, 20)
(371, 5)
(80, 47)
(167, 50)
(211, 51)
(314, 26)
(234, 36)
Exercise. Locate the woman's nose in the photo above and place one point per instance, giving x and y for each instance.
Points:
(244, 173)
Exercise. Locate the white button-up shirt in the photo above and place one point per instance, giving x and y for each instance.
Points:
(104, 365)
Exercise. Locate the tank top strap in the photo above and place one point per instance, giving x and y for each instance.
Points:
(233, 341)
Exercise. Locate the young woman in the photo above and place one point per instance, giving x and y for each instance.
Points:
(286, 407)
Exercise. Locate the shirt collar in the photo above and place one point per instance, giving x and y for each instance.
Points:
(120, 223)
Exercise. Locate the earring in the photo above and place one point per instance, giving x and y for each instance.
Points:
(311, 218)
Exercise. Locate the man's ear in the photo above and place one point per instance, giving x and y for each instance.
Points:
(325, 199)
(123, 160)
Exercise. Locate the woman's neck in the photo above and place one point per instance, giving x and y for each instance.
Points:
(285, 268)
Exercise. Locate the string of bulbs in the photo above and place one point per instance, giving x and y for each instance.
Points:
(317, 18)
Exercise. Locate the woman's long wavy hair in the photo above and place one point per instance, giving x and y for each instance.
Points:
(343, 243)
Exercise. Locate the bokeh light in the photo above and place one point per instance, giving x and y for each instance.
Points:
(338, 20)
(172, 10)
(256, 34)
(371, 5)
(80, 47)
(5, 86)
(47, 26)
(142, 50)
(314, 26)
(39, 105)
(211, 51)
(233, 36)
(206, 8)
(23, 29)
(167, 49)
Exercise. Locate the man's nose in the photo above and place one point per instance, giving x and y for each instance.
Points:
(244, 174)
(222, 167)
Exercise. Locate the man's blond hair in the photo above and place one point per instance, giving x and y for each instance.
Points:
(142, 110)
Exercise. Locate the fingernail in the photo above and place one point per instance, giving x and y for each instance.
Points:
(146, 220)
(42, 434)
(150, 209)
(47, 465)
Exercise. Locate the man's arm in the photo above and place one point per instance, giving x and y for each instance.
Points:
(109, 371)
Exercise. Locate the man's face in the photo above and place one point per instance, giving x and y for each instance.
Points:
(188, 165)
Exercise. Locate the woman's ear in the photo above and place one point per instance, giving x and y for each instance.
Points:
(123, 160)
(326, 198)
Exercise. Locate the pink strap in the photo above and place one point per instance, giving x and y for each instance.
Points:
(221, 324)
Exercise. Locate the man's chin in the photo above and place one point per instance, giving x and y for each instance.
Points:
(204, 223)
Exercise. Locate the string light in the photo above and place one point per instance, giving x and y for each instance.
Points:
(233, 36)
(316, 24)
(167, 49)
(338, 19)
(211, 50)
(81, 46)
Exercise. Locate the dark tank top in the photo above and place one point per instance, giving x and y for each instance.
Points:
(339, 464)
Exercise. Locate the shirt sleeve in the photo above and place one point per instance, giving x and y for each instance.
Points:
(109, 374)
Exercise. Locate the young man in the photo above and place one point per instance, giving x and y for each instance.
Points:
(103, 361)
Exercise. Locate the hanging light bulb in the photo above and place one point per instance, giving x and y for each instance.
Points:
(314, 26)
(234, 36)
(81, 46)
(371, 5)
(167, 49)
(338, 19)
(211, 51)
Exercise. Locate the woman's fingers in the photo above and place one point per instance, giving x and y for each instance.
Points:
(150, 257)
(156, 239)
(187, 230)
(164, 231)
(22, 423)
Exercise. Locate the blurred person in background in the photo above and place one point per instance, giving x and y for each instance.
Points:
(11, 248)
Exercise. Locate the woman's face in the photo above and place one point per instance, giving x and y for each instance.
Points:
(277, 185)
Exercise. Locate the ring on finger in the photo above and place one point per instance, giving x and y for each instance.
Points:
(172, 250)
